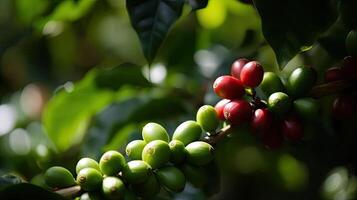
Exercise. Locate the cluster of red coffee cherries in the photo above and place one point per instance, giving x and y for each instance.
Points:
(238, 106)
(344, 105)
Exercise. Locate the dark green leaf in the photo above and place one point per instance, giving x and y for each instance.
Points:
(9, 179)
(293, 26)
(25, 191)
(152, 20)
(198, 4)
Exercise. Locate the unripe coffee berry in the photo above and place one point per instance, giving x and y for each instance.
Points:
(351, 43)
(113, 188)
(261, 119)
(196, 175)
(343, 107)
(333, 74)
(271, 83)
(300, 82)
(219, 108)
(187, 132)
(111, 163)
(134, 149)
(228, 87)
(207, 118)
(237, 111)
(292, 129)
(136, 171)
(153, 131)
(307, 108)
(86, 163)
(199, 153)
(252, 74)
(279, 103)
(59, 177)
(171, 178)
(91, 196)
(178, 151)
(148, 189)
(156, 153)
(237, 67)
(89, 179)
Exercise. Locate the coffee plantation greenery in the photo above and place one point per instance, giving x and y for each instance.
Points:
(274, 110)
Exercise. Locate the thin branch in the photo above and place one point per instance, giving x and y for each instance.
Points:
(70, 191)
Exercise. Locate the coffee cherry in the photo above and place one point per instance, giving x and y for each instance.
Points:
(59, 177)
(148, 189)
(197, 176)
(91, 196)
(237, 67)
(307, 108)
(252, 74)
(219, 108)
(113, 188)
(154, 131)
(343, 107)
(351, 43)
(134, 149)
(271, 83)
(292, 129)
(301, 81)
(171, 178)
(199, 153)
(86, 163)
(261, 120)
(279, 103)
(207, 118)
(178, 151)
(237, 111)
(136, 171)
(349, 68)
(156, 153)
(272, 139)
(228, 87)
(187, 132)
(89, 179)
(111, 163)
(333, 74)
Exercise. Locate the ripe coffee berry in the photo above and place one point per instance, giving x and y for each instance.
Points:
(292, 129)
(220, 106)
(333, 74)
(228, 87)
(261, 119)
(252, 74)
(237, 111)
(237, 67)
(343, 107)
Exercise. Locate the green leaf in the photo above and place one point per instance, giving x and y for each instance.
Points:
(291, 27)
(25, 191)
(198, 4)
(152, 20)
(9, 179)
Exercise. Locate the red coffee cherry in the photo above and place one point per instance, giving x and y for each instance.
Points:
(333, 74)
(272, 139)
(219, 108)
(228, 87)
(292, 129)
(261, 119)
(237, 111)
(252, 74)
(237, 67)
(343, 107)
(349, 68)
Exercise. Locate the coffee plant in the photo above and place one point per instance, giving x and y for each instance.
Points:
(208, 99)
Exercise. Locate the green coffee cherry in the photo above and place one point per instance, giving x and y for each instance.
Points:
(279, 103)
(351, 43)
(91, 196)
(187, 132)
(154, 131)
(178, 151)
(207, 118)
(86, 163)
(300, 82)
(136, 171)
(89, 179)
(113, 188)
(307, 108)
(171, 178)
(271, 83)
(199, 153)
(111, 163)
(59, 177)
(39, 180)
(147, 189)
(156, 153)
(134, 149)
(197, 176)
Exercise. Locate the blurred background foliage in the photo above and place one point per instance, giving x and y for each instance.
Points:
(74, 82)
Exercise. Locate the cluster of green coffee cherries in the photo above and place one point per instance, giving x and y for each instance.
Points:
(155, 163)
